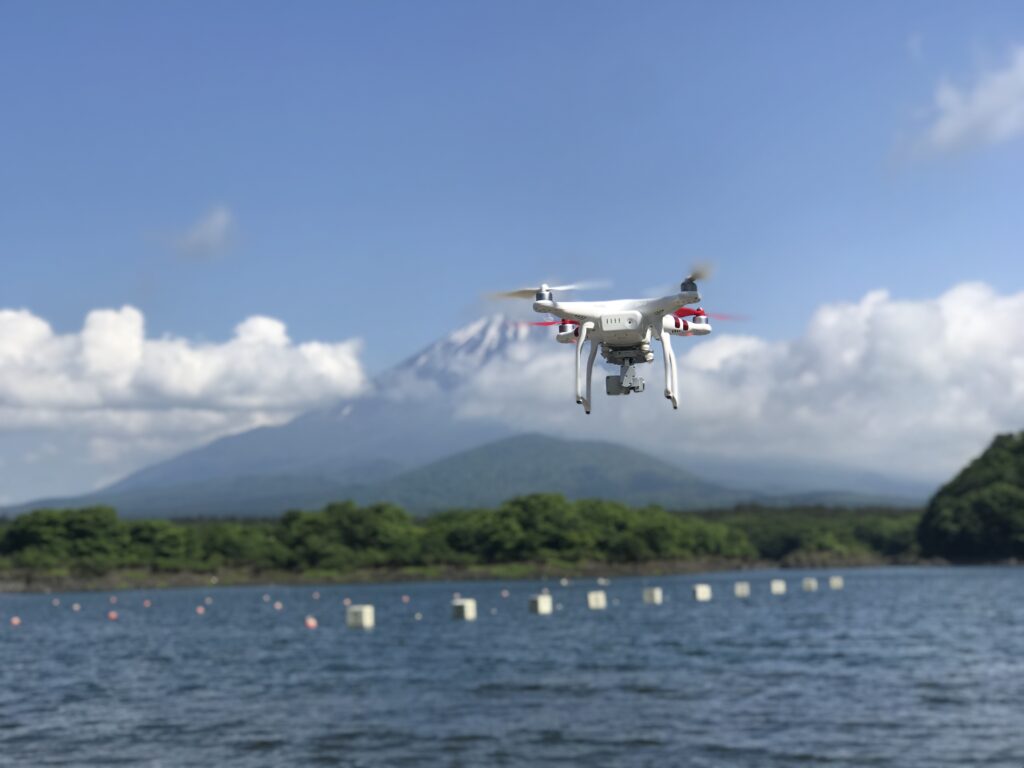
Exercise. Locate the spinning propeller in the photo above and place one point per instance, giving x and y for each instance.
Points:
(529, 293)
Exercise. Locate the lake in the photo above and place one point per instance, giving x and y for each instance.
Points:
(903, 667)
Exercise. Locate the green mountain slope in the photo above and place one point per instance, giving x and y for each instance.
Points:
(979, 514)
(488, 475)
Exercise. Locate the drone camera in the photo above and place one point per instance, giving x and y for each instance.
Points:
(613, 386)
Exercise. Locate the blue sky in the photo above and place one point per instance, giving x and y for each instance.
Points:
(180, 181)
(383, 164)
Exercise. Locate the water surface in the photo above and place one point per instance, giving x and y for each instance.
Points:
(904, 667)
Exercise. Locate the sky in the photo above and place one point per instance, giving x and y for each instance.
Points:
(193, 193)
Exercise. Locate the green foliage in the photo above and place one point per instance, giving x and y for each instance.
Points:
(979, 515)
(538, 529)
(816, 532)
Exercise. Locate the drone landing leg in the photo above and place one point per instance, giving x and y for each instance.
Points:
(584, 327)
(590, 374)
(670, 369)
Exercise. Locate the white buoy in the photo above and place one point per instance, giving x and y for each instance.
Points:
(810, 584)
(597, 600)
(836, 582)
(360, 616)
(541, 604)
(603, 582)
(564, 582)
(702, 593)
(464, 609)
(777, 586)
(741, 589)
(653, 596)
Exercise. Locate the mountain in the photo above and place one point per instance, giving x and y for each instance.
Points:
(409, 440)
(490, 474)
(978, 516)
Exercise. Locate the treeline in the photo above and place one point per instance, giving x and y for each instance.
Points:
(540, 529)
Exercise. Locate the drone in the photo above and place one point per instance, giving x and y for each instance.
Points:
(622, 331)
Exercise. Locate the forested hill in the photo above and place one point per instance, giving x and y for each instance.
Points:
(979, 515)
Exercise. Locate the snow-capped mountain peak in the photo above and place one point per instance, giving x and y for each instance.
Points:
(467, 349)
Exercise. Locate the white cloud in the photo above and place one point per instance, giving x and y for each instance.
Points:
(907, 388)
(988, 112)
(210, 235)
(110, 395)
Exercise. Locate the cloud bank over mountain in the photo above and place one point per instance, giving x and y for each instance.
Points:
(902, 387)
(107, 398)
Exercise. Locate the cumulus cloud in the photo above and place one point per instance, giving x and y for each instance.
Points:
(989, 111)
(114, 396)
(209, 236)
(906, 388)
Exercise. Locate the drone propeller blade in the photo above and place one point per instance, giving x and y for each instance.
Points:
(545, 323)
(701, 271)
(529, 293)
(589, 285)
(521, 293)
(688, 312)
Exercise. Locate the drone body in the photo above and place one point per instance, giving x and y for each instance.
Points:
(622, 331)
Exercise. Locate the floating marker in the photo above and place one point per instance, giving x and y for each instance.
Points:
(266, 598)
(76, 607)
(15, 621)
(810, 584)
(112, 616)
(464, 608)
(311, 622)
(201, 610)
(505, 593)
(563, 581)
(597, 600)
(208, 600)
(360, 617)
(147, 603)
(836, 582)
(278, 605)
(741, 589)
(777, 586)
(406, 599)
(603, 582)
(653, 596)
(113, 599)
(702, 593)
(55, 602)
(316, 595)
(347, 601)
(418, 616)
(541, 604)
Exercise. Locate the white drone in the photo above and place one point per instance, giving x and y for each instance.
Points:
(622, 330)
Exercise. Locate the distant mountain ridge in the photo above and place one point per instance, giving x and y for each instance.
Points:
(406, 441)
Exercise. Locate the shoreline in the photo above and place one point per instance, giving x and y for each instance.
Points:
(27, 583)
